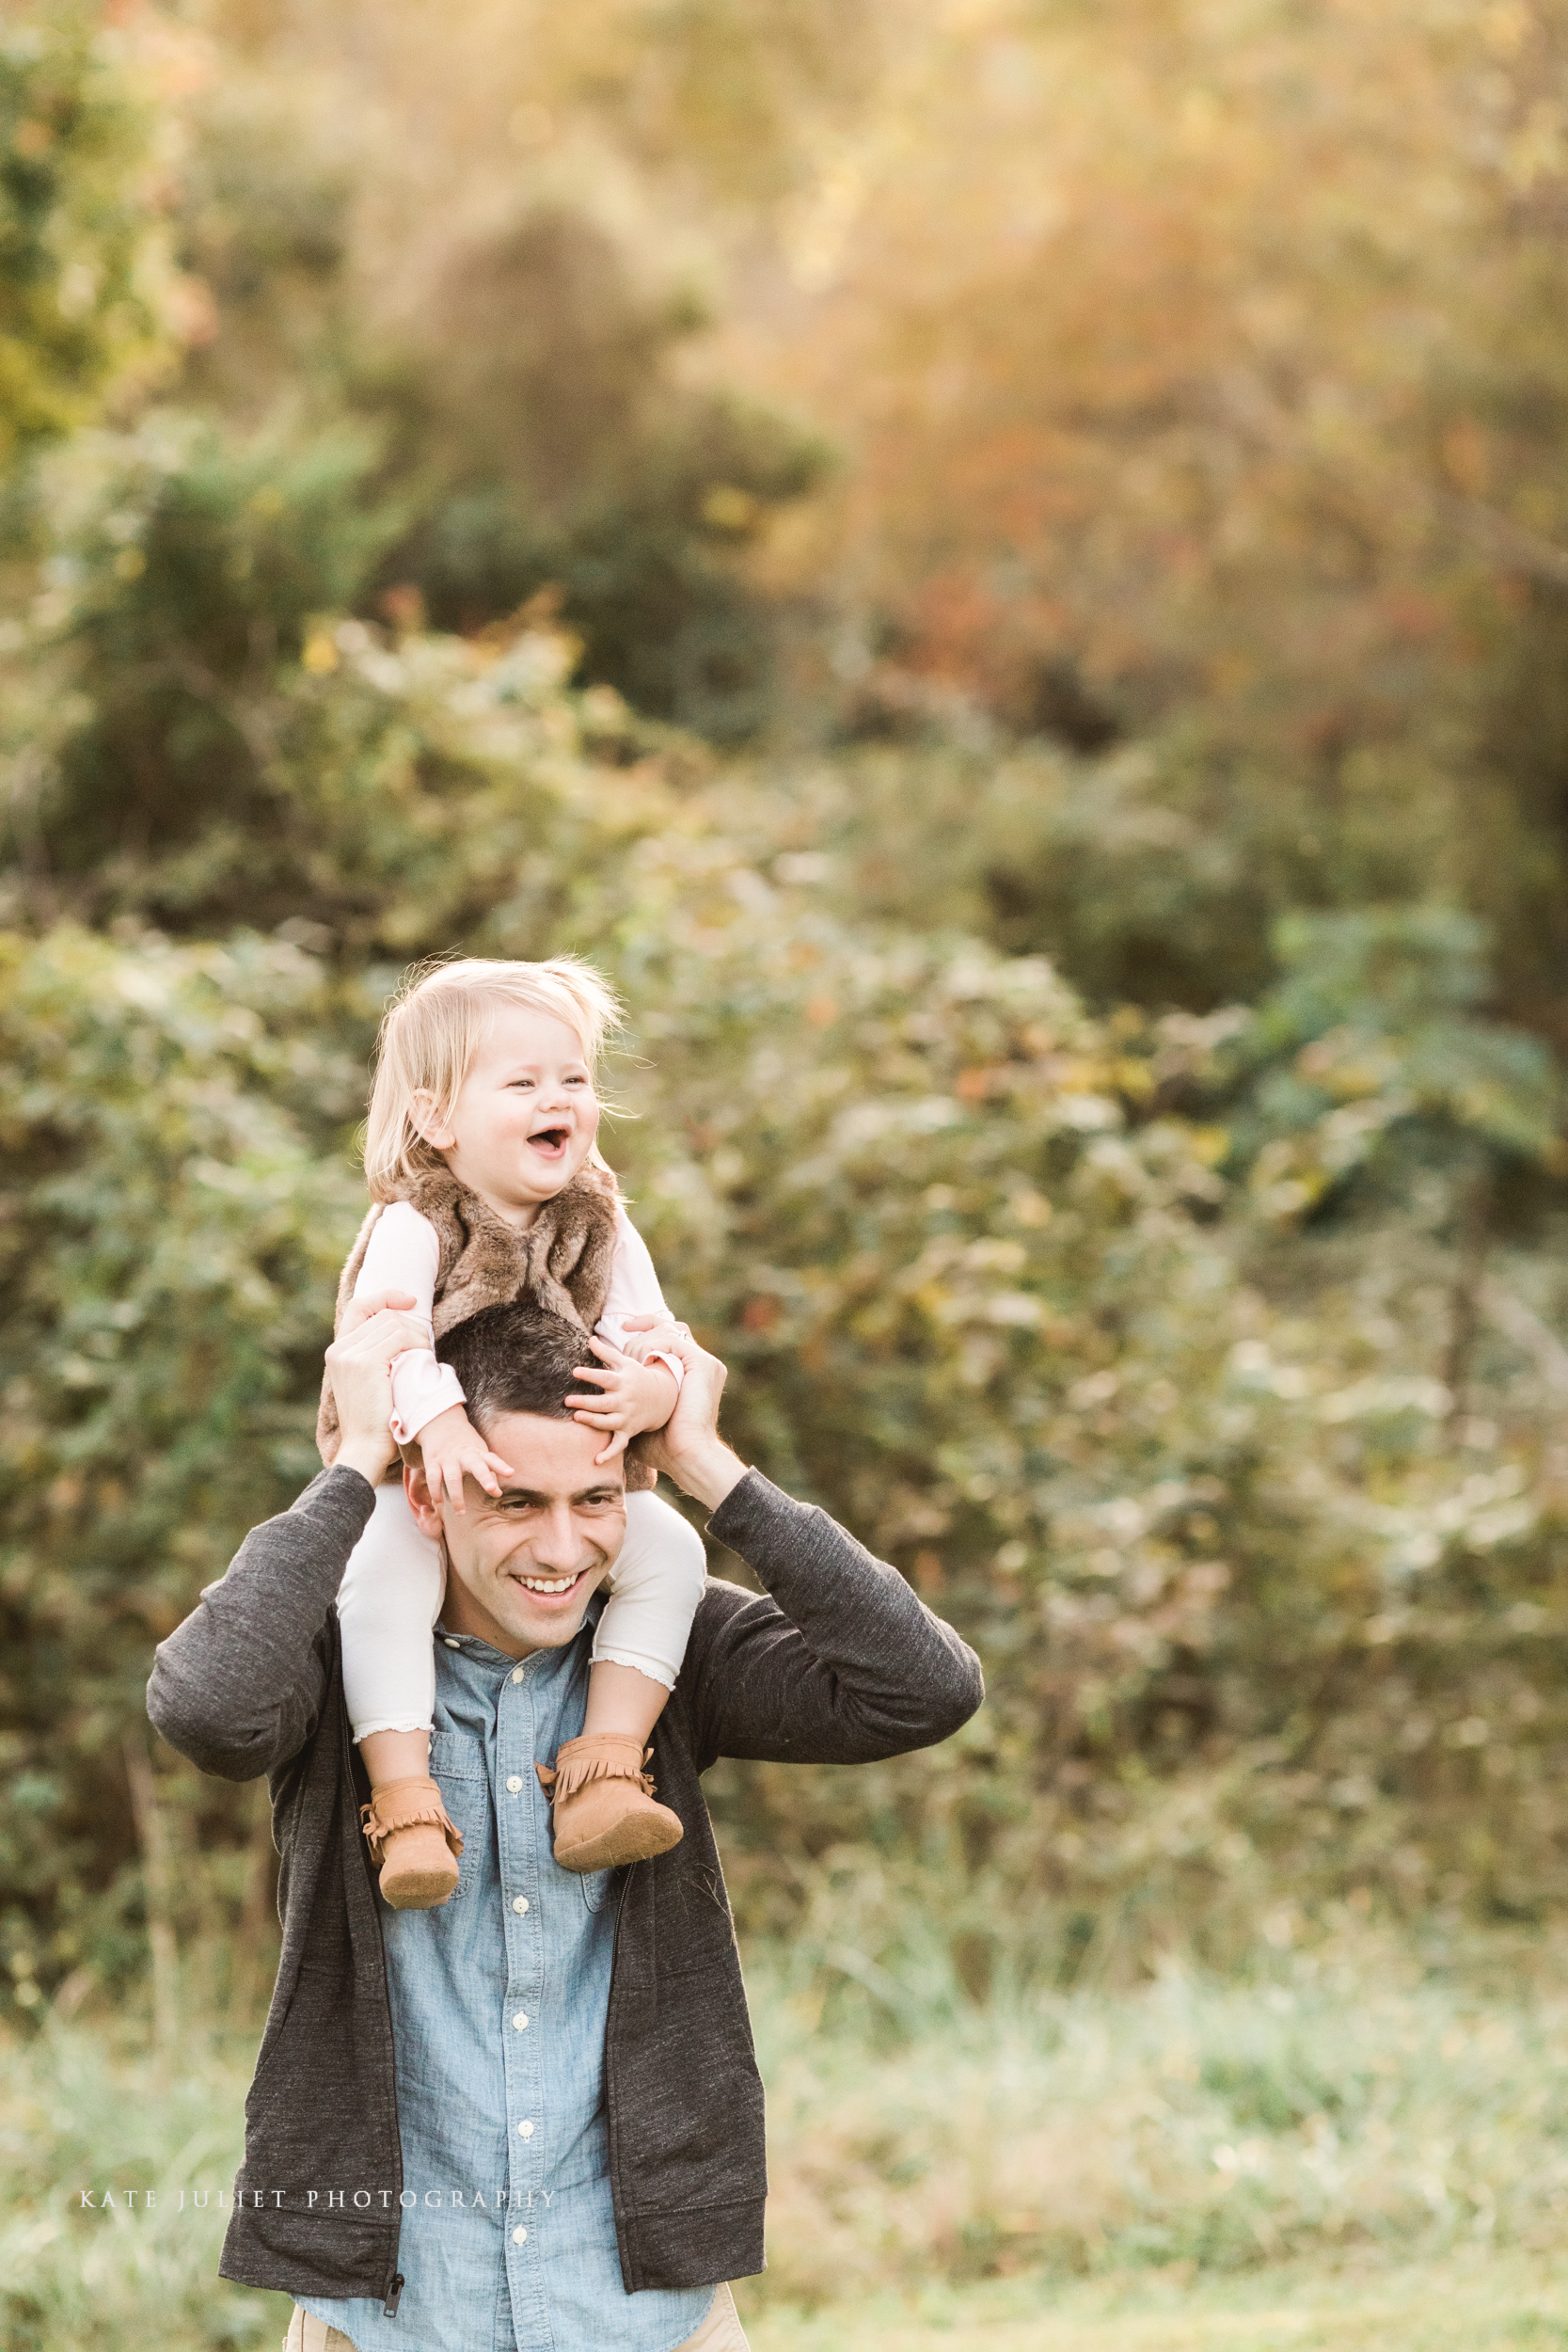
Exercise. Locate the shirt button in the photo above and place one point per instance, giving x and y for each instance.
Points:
(519, 2021)
(449, 1641)
(519, 2237)
(525, 2131)
(514, 1781)
(519, 1905)
(516, 1674)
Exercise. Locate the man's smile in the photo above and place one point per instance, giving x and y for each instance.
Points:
(550, 1586)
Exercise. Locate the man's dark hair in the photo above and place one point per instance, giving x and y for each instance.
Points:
(517, 1359)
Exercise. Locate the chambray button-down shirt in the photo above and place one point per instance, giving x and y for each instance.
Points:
(498, 2004)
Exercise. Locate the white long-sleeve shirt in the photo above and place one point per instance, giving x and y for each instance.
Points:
(404, 1253)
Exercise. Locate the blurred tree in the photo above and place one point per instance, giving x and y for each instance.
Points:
(82, 261)
(1207, 374)
(266, 189)
(1205, 1364)
(539, 427)
(186, 566)
(168, 1233)
(1205, 387)
(554, 444)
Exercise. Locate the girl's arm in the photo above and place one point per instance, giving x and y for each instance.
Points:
(636, 1381)
(404, 1253)
(634, 1290)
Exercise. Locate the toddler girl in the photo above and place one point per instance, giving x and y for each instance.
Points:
(488, 1187)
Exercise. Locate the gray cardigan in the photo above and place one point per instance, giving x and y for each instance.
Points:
(838, 1662)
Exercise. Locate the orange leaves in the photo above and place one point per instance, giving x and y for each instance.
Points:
(1134, 319)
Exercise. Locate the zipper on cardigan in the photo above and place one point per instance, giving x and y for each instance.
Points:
(345, 1741)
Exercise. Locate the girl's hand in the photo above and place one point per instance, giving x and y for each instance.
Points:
(632, 1397)
(647, 1334)
(452, 1450)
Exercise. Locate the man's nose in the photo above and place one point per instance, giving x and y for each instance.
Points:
(558, 1544)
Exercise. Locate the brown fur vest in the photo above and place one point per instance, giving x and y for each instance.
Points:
(562, 1263)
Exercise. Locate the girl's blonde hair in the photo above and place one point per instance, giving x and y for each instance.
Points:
(433, 1028)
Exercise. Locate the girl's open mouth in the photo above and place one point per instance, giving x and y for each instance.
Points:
(549, 1141)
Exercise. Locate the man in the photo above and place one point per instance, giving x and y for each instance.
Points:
(530, 2119)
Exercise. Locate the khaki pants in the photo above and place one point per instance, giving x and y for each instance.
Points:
(721, 2331)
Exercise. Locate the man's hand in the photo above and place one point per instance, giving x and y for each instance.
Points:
(359, 1361)
(688, 1448)
(646, 1334)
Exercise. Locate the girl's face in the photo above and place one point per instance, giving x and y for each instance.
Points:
(525, 1118)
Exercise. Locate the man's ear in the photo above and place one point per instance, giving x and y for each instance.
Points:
(426, 1517)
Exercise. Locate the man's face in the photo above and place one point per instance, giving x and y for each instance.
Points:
(523, 1566)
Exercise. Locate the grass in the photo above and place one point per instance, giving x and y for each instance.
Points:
(1353, 2147)
(1350, 2106)
(1490, 2303)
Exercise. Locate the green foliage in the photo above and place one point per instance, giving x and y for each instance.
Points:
(1372, 1033)
(79, 261)
(178, 538)
(185, 577)
(1203, 1365)
(186, 566)
(151, 2275)
(1345, 2096)
(166, 1237)
(547, 442)
(650, 574)
(988, 1293)
(261, 223)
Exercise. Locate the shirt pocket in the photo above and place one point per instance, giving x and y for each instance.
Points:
(459, 1769)
(595, 1885)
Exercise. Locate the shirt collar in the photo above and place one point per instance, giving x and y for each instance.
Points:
(483, 1654)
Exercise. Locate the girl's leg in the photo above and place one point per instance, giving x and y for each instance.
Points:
(654, 1590)
(394, 1755)
(604, 1812)
(388, 1601)
(622, 1699)
(387, 1604)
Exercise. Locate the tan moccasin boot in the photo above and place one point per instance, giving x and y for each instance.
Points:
(605, 1813)
(415, 1843)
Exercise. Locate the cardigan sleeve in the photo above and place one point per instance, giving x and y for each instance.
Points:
(838, 1662)
(238, 1687)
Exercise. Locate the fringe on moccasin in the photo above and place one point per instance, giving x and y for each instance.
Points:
(602, 1804)
(388, 1810)
(565, 1779)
